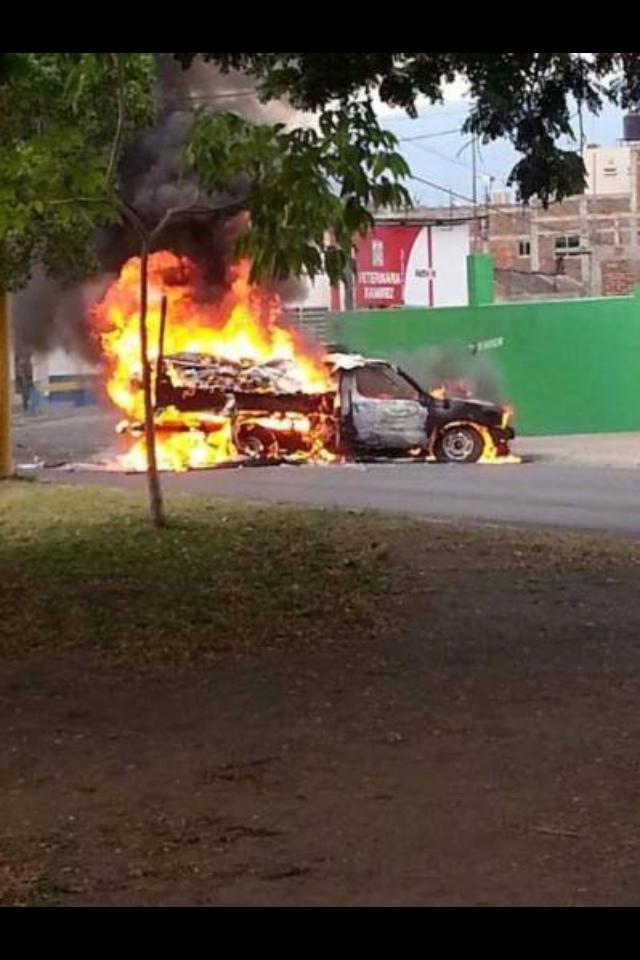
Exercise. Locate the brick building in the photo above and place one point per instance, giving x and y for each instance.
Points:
(587, 245)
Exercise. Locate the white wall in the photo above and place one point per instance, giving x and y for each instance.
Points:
(318, 294)
(61, 363)
(451, 247)
(441, 277)
(608, 170)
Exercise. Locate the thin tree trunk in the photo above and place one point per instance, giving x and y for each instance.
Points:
(153, 480)
(348, 288)
(163, 325)
(6, 460)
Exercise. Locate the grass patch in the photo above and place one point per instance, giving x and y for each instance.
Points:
(83, 568)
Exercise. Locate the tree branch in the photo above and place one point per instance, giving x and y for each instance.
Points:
(117, 139)
(189, 211)
(57, 203)
(131, 216)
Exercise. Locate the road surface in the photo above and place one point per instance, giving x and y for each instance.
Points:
(532, 493)
(601, 492)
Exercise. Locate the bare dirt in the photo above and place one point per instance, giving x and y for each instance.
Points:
(480, 748)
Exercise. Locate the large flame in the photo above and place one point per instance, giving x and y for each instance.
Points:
(243, 326)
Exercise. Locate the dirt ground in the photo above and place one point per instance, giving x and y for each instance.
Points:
(481, 748)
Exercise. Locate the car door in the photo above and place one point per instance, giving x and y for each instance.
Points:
(387, 411)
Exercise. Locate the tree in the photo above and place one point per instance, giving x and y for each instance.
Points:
(64, 121)
(62, 128)
(61, 160)
(308, 192)
(526, 97)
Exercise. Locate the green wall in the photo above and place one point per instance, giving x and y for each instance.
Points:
(566, 366)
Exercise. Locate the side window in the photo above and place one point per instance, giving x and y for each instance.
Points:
(377, 253)
(383, 383)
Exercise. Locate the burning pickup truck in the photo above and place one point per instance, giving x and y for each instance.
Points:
(370, 408)
(234, 384)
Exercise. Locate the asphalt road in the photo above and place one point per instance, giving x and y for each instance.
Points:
(532, 493)
(544, 492)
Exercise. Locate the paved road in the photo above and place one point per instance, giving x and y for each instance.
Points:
(544, 492)
(535, 493)
(61, 434)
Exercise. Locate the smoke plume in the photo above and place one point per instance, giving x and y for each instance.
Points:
(47, 314)
(453, 365)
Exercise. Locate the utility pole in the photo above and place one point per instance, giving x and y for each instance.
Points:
(6, 460)
(485, 225)
(474, 175)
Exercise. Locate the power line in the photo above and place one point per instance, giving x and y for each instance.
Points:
(434, 109)
(438, 186)
(429, 136)
(460, 196)
(458, 163)
(433, 221)
(443, 156)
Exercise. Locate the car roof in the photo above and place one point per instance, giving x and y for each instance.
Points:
(351, 361)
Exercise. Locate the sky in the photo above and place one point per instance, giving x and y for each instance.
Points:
(443, 154)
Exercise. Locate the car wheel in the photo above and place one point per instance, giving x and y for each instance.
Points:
(257, 443)
(459, 444)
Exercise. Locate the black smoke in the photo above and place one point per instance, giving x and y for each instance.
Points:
(47, 314)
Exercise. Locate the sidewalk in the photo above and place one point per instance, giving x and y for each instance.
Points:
(54, 411)
(620, 450)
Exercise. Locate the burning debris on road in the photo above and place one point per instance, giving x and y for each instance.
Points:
(232, 385)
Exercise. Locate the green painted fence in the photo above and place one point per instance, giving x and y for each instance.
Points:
(566, 366)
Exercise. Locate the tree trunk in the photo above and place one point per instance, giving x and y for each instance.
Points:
(153, 480)
(348, 288)
(6, 462)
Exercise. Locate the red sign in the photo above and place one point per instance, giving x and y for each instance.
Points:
(382, 258)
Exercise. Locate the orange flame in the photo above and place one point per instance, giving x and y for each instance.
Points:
(243, 326)
(490, 453)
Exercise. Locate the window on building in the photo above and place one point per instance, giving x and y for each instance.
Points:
(377, 253)
(567, 243)
(524, 248)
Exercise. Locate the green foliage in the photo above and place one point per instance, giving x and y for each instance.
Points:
(525, 97)
(308, 191)
(63, 118)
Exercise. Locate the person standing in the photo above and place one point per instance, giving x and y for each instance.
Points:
(24, 378)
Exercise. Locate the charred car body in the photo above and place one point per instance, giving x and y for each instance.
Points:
(374, 409)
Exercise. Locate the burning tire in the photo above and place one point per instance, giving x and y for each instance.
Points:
(460, 443)
(257, 443)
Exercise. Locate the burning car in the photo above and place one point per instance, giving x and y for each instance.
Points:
(234, 384)
(373, 409)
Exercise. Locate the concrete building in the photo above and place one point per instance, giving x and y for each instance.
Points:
(58, 377)
(588, 245)
(417, 259)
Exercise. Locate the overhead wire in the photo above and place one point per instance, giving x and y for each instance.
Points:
(459, 196)
(429, 136)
